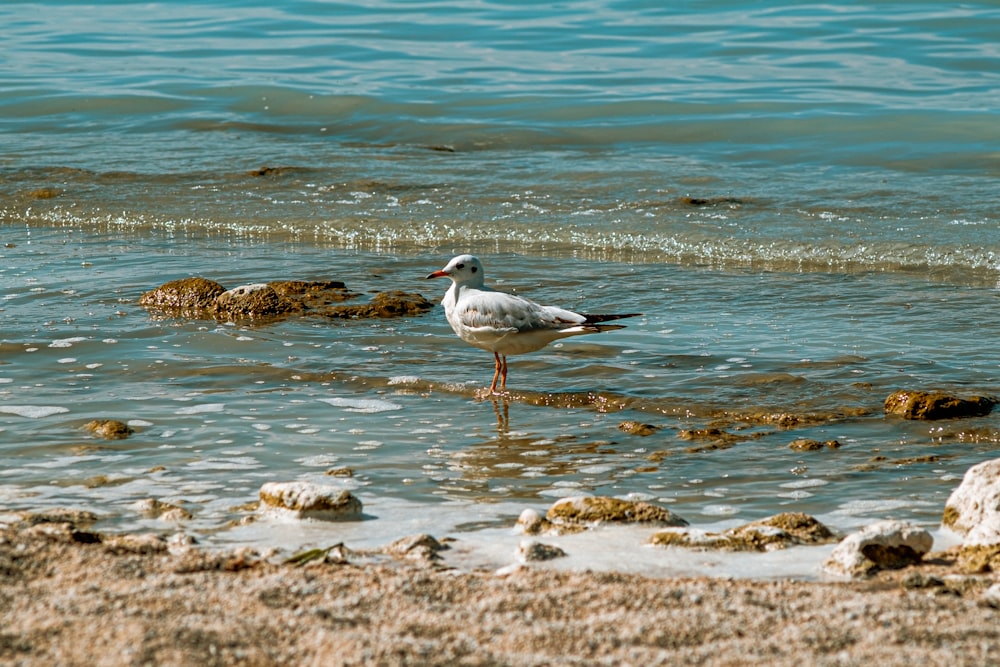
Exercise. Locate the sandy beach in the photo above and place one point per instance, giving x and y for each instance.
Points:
(72, 597)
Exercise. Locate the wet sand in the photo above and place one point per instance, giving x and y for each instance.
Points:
(69, 597)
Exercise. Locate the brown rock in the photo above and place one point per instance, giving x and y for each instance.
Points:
(286, 287)
(807, 445)
(979, 558)
(189, 296)
(935, 405)
(794, 527)
(603, 509)
(777, 532)
(202, 298)
(109, 429)
(383, 304)
(313, 293)
(253, 302)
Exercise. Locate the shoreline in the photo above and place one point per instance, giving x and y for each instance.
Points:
(70, 597)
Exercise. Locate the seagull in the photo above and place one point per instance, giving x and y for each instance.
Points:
(504, 323)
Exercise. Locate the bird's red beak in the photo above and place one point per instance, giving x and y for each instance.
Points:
(438, 274)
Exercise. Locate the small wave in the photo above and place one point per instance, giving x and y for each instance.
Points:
(33, 411)
(370, 405)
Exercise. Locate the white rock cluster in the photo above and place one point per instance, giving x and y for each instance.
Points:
(973, 509)
(883, 545)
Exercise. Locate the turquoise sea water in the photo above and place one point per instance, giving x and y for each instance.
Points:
(801, 199)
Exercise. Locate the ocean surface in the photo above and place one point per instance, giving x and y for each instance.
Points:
(800, 198)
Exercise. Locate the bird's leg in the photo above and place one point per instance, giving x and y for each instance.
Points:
(496, 374)
(503, 373)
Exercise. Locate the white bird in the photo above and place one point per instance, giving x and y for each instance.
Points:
(505, 323)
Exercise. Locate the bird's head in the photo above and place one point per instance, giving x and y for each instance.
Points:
(463, 270)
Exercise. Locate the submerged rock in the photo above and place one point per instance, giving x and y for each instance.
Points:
(732, 202)
(936, 405)
(304, 500)
(383, 304)
(714, 439)
(638, 428)
(109, 429)
(807, 445)
(777, 532)
(885, 545)
(587, 510)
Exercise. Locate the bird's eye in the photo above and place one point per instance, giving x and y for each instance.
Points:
(460, 266)
(474, 269)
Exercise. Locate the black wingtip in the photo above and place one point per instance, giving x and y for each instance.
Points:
(594, 319)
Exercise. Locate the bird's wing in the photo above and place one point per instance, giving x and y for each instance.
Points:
(507, 313)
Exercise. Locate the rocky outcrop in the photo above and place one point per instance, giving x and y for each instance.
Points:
(973, 509)
(303, 500)
(383, 304)
(207, 299)
(189, 297)
(580, 513)
(885, 545)
(936, 405)
(776, 532)
(252, 302)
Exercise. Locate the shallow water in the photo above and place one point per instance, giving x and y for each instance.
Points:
(800, 200)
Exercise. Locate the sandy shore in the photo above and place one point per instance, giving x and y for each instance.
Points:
(70, 597)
